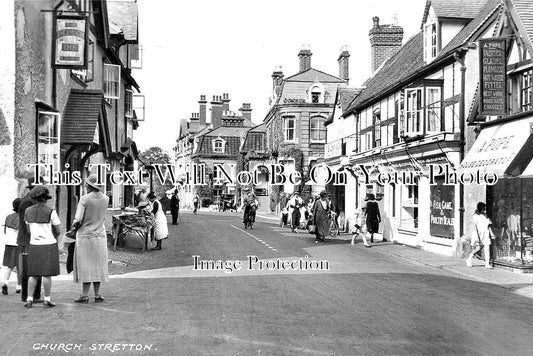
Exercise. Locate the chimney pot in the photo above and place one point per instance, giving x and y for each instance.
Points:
(376, 21)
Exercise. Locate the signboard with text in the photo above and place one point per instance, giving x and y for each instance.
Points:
(442, 211)
(70, 42)
(492, 75)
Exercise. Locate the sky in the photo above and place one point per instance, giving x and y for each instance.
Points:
(212, 47)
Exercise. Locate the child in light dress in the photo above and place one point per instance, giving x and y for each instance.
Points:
(359, 226)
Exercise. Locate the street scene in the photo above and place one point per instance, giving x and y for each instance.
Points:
(266, 178)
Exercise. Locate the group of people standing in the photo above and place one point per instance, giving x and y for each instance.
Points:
(35, 251)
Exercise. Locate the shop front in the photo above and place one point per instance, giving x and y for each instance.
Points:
(505, 149)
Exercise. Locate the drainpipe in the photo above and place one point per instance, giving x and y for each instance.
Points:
(459, 57)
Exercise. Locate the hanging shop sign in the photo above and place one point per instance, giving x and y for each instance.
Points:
(70, 42)
(492, 74)
(442, 212)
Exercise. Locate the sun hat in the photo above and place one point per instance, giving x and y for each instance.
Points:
(92, 180)
(323, 193)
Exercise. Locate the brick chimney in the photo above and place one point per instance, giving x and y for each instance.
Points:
(305, 59)
(385, 42)
(225, 102)
(203, 111)
(216, 111)
(277, 78)
(246, 111)
(343, 64)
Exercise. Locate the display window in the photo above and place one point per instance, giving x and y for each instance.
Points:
(510, 207)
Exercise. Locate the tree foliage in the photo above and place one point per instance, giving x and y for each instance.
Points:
(156, 155)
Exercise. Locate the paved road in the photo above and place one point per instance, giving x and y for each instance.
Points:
(367, 303)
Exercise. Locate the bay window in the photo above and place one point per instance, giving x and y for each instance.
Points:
(421, 112)
(48, 138)
(413, 111)
(111, 81)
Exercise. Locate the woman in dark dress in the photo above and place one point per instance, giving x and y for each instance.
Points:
(373, 217)
(321, 211)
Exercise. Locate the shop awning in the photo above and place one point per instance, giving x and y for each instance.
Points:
(84, 120)
(504, 149)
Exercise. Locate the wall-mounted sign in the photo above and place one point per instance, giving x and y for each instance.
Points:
(492, 74)
(333, 149)
(442, 211)
(70, 42)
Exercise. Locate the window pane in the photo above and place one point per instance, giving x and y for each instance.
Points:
(433, 110)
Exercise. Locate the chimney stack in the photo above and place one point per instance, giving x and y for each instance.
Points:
(246, 111)
(216, 111)
(385, 42)
(203, 111)
(305, 58)
(225, 102)
(343, 64)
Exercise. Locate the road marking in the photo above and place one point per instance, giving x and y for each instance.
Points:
(255, 237)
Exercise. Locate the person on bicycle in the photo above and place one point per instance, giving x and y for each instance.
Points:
(196, 202)
(321, 212)
(249, 207)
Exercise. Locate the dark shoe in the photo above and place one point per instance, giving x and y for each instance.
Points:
(17, 291)
(83, 299)
(368, 246)
(4, 289)
(28, 304)
(98, 298)
(48, 304)
(157, 248)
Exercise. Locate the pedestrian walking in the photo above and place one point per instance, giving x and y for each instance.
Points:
(373, 217)
(196, 203)
(160, 221)
(294, 204)
(175, 207)
(43, 253)
(481, 236)
(359, 226)
(90, 253)
(23, 242)
(321, 211)
(11, 227)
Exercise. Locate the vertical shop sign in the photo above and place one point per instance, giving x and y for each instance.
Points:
(492, 74)
(70, 42)
(442, 211)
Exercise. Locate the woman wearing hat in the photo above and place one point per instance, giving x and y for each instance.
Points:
(43, 253)
(160, 221)
(90, 254)
(321, 211)
(373, 217)
(294, 204)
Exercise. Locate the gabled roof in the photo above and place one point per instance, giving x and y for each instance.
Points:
(409, 60)
(522, 13)
(454, 9)
(346, 96)
(124, 16)
(312, 75)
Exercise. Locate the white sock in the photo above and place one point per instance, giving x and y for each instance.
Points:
(19, 287)
(47, 299)
(29, 299)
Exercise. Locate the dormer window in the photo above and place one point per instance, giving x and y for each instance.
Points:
(316, 94)
(431, 38)
(219, 145)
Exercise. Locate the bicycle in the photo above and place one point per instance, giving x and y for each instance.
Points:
(249, 217)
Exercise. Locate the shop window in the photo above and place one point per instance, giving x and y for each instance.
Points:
(111, 81)
(509, 208)
(48, 138)
(288, 128)
(409, 208)
(317, 129)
